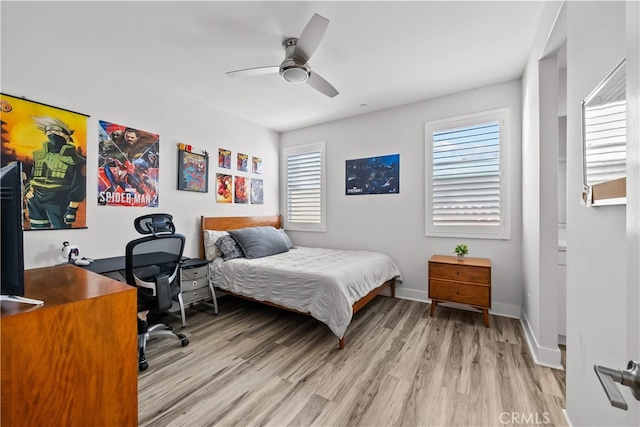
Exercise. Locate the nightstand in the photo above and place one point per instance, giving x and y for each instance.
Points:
(465, 282)
(195, 286)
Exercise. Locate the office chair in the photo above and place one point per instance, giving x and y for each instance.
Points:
(152, 266)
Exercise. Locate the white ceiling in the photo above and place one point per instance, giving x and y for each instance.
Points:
(381, 54)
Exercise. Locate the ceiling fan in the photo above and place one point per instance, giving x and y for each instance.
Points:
(295, 67)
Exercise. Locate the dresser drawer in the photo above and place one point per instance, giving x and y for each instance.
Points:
(460, 273)
(475, 295)
(191, 284)
(196, 295)
(195, 273)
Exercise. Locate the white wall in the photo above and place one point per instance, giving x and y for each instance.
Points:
(29, 69)
(539, 184)
(394, 223)
(596, 238)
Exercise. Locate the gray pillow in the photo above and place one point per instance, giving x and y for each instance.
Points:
(287, 239)
(257, 242)
(229, 248)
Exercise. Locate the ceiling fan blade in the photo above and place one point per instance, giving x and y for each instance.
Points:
(311, 37)
(254, 71)
(320, 84)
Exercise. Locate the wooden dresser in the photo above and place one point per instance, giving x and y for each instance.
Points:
(72, 361)
(464, 282)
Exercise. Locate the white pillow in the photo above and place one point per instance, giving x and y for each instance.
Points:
(211, 251)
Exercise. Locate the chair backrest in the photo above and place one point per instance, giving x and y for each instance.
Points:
(152, 265)
(156, 224)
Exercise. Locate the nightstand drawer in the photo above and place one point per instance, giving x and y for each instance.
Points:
(195, 273)
(196, 295)
(192, 284)
(460, 273)
(475, 295)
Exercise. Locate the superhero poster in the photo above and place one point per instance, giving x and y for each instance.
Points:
(224, 158)
(224, 189)
(51, 143)
(256, 191)
(193, 171)
(128, 166)
(241, 190)
(374, 175)
(243, 162)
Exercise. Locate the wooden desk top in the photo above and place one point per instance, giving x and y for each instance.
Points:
(59, 285)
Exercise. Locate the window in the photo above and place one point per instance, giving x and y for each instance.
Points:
(466, 176)
(304, 187)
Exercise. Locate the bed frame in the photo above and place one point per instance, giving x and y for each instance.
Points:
(235, 222)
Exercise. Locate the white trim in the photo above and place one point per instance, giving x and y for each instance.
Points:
(543, 356)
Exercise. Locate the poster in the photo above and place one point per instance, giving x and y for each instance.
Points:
(243, 162)
(193, 171)
(51, 143)
(224, 189)
(256, 191)
(224, 158)
(257, 165)
(373, 175)
(128, 166)
(240, 187)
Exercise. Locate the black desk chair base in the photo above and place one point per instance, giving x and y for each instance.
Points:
(146, 333)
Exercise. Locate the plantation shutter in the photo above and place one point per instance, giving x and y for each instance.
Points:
(605, 141)
(465, 181)
(304, 187)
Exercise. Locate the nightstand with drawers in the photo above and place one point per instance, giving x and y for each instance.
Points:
(195, 286)
(464, 282)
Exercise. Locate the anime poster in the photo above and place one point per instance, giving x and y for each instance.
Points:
(51, 143)
(224, 188)
(256, 191)
(243, 162)
(193, 171)
(128, 166)
(224, 158)
(374, 175)
(241, 189)
(257, 165)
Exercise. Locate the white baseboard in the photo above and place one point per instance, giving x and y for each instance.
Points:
(543, 356)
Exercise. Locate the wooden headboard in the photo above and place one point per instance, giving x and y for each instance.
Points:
(221, 223)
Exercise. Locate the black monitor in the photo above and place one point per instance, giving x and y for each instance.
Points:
(12, 249)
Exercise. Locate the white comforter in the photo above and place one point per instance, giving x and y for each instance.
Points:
(322, 282)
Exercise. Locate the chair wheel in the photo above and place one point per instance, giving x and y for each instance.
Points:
(185, 342)
(142, 366)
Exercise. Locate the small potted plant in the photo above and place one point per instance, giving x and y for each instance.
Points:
(461, 250)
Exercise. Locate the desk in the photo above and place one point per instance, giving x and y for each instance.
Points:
(118, 263)
(73, 360)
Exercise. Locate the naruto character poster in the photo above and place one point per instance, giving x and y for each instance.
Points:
(373, 175)
(51, 143)
(128, 166)
(224, 188)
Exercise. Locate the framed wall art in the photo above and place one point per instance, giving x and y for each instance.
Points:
(373, 175)
(193, 171)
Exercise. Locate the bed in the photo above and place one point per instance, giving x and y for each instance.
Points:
(328, 284)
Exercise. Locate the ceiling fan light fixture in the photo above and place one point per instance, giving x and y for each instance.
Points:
(295, 73)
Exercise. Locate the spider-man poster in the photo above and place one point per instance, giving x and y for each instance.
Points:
(128, 166)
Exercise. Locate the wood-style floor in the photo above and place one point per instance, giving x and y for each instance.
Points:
(254, 365)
